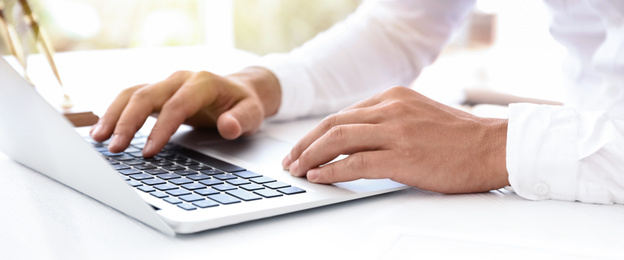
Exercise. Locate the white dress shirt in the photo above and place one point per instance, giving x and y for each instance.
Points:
(573, 152)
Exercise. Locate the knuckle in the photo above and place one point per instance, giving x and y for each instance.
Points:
(304, 158)
(297, 150)
(141, 94)
(394, 91)
(179, 107)
(329, 122)
(180, 74)
(356, 162)
(204, 74)
(129, 91)
(329, 173)
(336, 133)
(396, 107)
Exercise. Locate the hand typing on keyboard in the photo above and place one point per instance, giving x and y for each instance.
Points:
(235, 104)
(398, 134)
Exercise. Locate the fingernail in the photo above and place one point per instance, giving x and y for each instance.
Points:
(286, 162)
(115, 141)
(313, 175)
(149, 145)
(294, 167)
(96, 129)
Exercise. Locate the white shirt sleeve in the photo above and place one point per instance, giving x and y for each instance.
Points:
(576, 152)
(383, 44)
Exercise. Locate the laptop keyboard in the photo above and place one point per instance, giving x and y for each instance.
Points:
(189, 179)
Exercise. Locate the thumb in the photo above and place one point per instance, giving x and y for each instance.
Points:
(244, 118)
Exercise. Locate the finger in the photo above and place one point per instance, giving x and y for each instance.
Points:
(141, 105)
(184, 103)
(367, 165)
(344, 139)
(105, 126)
(243, 119)
(356, 116)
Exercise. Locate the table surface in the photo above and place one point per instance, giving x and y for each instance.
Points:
(43, 219)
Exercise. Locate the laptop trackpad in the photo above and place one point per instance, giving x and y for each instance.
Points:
(261, 150)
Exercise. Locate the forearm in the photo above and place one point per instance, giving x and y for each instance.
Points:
(383, 44)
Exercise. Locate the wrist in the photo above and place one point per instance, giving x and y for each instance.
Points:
(264, 85)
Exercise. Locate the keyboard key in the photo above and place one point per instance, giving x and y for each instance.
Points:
(268, 193)
(177, 158)
(200, 167)
(180, 181)
(189, 163)
(141, 176)
(198, 177)
(145, 167)
(166, 154)
(193, 186)
(134, 162)
(186, 206)
(191, 197)
(244, 195)
(291, 190)
(162, 163)
(207, 191)
(168, 176)
(139, 145)
(247, 174)
(138, 139)
(225, 176)
(131, 149)
(109, 154)
(129, 171)
(212, 172)
(224, 187)
(134, 183)
(136, 154)
(224, 199)
(173, 200)
(158, 194)
(277, 185)
(112, 162)
(174, 168)
(238, 182)
(156, 171)
(252, 186)
(185, 172)
(125, 178)
(261, 180)
(215, 163)
(167, 186)
(205, 203)
(124, 157)
(210, 182)
(120, 167)
(153, 181)
(146, 188)
(178, 192)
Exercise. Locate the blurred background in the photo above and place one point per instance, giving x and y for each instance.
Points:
(505, 45)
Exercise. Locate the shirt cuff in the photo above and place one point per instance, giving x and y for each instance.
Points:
(542, 151)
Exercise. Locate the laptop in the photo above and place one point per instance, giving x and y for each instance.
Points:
(198, 182)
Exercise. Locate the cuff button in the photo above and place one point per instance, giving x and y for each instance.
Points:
(540, 188)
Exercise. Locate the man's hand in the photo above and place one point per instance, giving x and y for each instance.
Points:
(402, 135)
(235, 104)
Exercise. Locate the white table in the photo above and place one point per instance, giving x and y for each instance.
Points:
(43, 219)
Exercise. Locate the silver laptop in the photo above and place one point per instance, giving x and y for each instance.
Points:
(199, 182)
